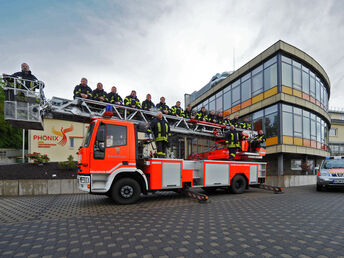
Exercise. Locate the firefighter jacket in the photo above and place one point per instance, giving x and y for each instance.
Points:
(162, 107)
(235, 122)
(188, 113)
(220, 120)
(260, 137)
(147, 104)
(233, 139)
(82, 89)
(202, 115)
(113, 98)
(130, 101)
(160, 129)
(211, 118)
(245, 125)
(177, 111)
(32, 85)
(96, 94)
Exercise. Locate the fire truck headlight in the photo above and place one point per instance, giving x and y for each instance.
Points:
(84, 180)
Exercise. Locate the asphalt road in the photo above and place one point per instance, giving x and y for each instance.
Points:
(299, 223)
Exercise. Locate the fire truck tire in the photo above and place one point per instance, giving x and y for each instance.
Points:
(238, 184)
(126, 191)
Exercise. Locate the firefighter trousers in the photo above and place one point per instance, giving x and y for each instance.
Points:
(232, 151)
(161, 148)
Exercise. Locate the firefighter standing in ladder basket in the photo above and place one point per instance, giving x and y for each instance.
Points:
(161, 131)
(233, 139)
(258, 140)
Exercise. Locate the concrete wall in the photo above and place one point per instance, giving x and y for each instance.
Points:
(38, 187)
(291, 180)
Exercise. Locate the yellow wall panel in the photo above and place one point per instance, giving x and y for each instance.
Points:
(272, 141)
(297, 93)
(257, 98)
(288, 140)
(287, 90)
(271, 92)
(298, 141)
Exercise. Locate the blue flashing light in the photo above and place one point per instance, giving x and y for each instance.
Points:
(327, 157)
(108, 108)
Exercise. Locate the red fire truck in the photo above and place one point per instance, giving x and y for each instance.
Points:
(110, 163)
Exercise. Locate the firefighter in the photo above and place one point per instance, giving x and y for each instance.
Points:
(188, 112)
(233, 139)
(162, 107)
(25, 74)
(202, 115)
(132, 100)
(99, 94)
(148, 104)
(246, 124)
(113, 97)
(219, 118)
(177, 110)
(160, 128)
(235, 121)
(212, 117)
(258, 140)
(82, 90)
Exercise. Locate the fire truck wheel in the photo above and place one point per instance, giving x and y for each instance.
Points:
(126, 191)
(238, 184)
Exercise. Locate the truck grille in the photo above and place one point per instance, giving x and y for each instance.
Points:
(337, 174)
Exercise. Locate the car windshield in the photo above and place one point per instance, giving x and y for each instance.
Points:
(333, 163)
(88, 136)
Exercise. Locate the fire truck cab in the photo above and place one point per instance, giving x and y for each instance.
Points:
(110, 163)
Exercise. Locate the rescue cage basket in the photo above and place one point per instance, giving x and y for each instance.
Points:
(22, 102)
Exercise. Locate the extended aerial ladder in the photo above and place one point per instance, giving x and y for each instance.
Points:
(25, 107)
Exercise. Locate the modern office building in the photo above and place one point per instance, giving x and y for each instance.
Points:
(283, 91)
(336, 135)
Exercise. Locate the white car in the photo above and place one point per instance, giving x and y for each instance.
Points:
(331, 173)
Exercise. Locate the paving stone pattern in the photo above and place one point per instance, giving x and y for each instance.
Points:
(299, 223)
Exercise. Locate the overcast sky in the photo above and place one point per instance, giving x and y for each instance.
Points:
(166, 48)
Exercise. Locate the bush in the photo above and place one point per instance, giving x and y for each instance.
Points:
(70, 164)
(38, 158)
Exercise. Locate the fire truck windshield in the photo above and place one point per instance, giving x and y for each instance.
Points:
(88, 136)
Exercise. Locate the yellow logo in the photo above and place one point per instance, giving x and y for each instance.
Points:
(62, 133)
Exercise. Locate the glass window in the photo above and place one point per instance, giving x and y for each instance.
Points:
(116, 135)
(296, 78)
(286, 75)
(236, 96)
(287, 108)
(271, 125)
(212, 105)
(318, 132)
(236, 83)
(312, 86)
(321, 93)
(296, 64)
(71, 141)
(297, 125)
(271, 109)
(246, 90)
(245, 77)
(287, 119)
(270, 77)
(333, 132)
(313, 130)
(286, 59)
(270, 61)
(229, 87)
(258, 114)
(219, 104)
(218, 94)
(317, 88)
(297, 111)
(305, 69)
(305, 82)
(227, 100)
(257, 84)
(306, 128)
(212, 98)
(258, 124)
(88, 135)
(305, 113)
(257, 70)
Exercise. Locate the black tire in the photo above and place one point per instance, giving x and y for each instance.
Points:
(238, 184)
(126, 191)
(209, 190)
(319, 188)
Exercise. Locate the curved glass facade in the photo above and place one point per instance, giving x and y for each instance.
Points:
(282, 123)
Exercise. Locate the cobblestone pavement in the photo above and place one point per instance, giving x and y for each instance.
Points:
(299, 223)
